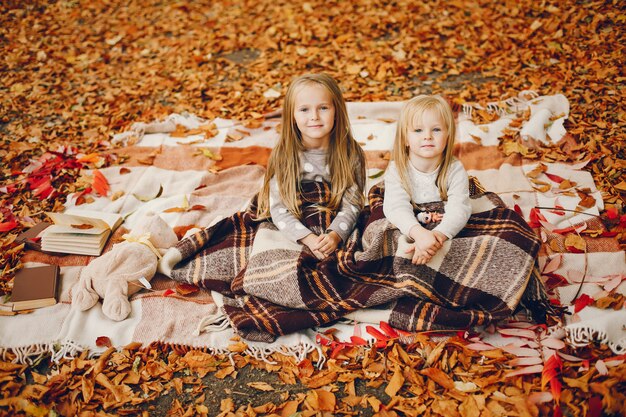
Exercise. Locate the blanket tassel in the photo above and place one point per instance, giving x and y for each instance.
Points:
(213, 323)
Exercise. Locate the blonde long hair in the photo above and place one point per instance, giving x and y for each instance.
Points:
(345, 157)
(416, 108)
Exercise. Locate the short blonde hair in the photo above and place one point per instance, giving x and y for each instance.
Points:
(413, 109)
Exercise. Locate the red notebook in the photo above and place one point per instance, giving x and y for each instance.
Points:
(35, 287)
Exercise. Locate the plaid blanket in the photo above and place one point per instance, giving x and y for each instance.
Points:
(273, 286)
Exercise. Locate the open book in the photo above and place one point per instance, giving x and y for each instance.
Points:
(83, 232)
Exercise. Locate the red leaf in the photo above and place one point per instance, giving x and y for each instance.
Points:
(358, 341)
(558, 210)
(388, 330)
(611, 213)
(103, 341)
(6, 226)
(518, 210)
(551, 370)
(573, 249)
(555, 301)
(336, 350)
(555, 178)
(378, 335)
(582, 302)
(553, 280)
(168, 292)
(555, 389)
(321, 340)
(381, 339)
(43, 188)
(534, 218)
(595, 407)
(557, 412)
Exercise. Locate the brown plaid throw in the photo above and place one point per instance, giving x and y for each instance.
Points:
(273, 286)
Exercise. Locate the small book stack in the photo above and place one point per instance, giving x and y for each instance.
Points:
(35, 287)
(82, 232)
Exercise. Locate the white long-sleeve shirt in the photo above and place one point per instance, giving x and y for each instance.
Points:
(313, 167)
(397, 203)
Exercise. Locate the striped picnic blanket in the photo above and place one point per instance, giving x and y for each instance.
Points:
(273, 286)
(195, 172)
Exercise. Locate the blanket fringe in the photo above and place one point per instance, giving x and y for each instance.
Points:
(502, 108)
(32, 354)
(582, 336)
(213, 323)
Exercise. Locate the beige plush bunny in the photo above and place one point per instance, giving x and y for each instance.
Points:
(115, 275)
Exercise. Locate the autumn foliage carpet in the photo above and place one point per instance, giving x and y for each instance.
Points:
(74, 73)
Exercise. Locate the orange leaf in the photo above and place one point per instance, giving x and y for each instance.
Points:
(439, 377)
(551, 370)
(82, 226)
(174, 210)
(396, 382)
(326, 400)
(185, 289)
(100, 183)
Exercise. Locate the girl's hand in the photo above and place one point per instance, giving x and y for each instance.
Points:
(419, 257)
(440, 237)
(425, 240)
(311, 241)
(328, 242)
(426, 245)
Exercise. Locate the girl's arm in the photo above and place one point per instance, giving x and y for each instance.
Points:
(346, 218)
(283, 219)
(458, 207)
(397, 203)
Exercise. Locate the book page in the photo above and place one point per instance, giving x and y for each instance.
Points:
(96, 219)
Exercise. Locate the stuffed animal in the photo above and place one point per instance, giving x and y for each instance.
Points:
(427, 217)
(115, 275)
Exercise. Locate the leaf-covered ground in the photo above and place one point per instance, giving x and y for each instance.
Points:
(73, 73)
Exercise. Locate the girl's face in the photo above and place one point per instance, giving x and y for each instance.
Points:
(314, 114)
(427, 138)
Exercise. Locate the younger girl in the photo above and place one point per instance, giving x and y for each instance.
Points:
(423, 170)
(316, 144)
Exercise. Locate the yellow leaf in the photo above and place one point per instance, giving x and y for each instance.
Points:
(514, 147)
(574, 241)
(208, 153)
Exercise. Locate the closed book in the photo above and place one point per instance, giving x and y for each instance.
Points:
(35, 287)
(31, 238)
